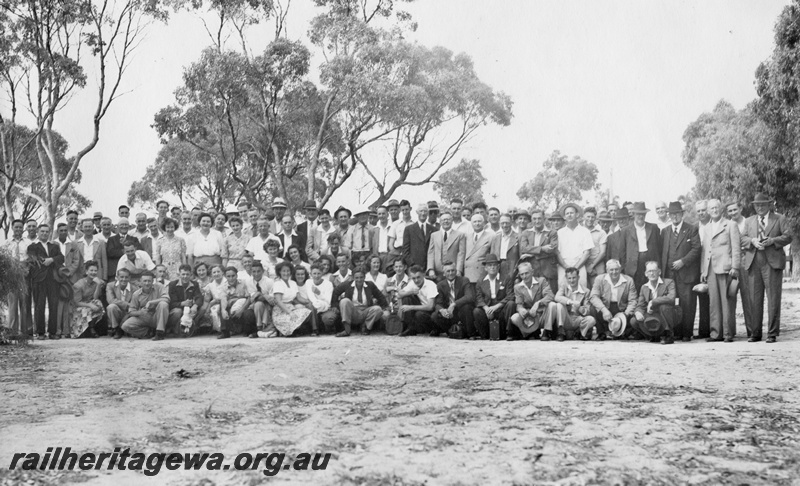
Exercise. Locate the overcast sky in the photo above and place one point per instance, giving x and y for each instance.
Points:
(615, 82)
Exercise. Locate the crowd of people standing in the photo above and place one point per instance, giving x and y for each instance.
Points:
(473, 272)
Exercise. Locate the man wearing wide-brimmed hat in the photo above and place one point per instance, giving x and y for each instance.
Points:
(641, 243)
(359, 237)
(614, 240)
(308, 226)
(680, 260)
(766, 233)
(522, 220)
(278, 208)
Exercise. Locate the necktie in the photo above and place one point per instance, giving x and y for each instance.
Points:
(360, 296)
(44, 245)
(363, 239)
(476, 238)
(452, 292)
(445, 236)
(762, 224)
(16, 251)
(258, 287)
(422, 226)
(675, 232)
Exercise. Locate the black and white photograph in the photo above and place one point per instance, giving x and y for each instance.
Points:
(399, 242)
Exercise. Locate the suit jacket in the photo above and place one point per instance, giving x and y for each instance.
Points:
(476, 252)
(115, 249)
(295, 240)
(73, 262)
(722, 250)
(630, 246)
(372, 296)
(777, 228)
(687, 249)
(565, 292)
(302, 230)
(544, 262)
(415, 246)
(114, 295)
(665, 295)
(614, 248)
(179, 293)
(464, 291)
(375, 237)
(98, 255)
(508, 265)
(483, 293)
(600, 297)
(541, 294)
(313, 244)
(36, 254)
(455, 250)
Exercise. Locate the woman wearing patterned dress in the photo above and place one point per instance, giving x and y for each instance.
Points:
(86, 302)
(235, 243)
(171, 249)
(288, 313)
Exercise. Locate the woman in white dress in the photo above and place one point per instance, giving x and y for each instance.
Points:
(289, 313)
(215, 291)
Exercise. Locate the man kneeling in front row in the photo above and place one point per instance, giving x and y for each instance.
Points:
(573, 308)
(656, 312)
(535, 306)
(614, 300)
(147, 312)
(185, 299)
(418, 299)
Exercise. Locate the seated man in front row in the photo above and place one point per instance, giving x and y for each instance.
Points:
(360, 303)
(573, 308)
(613, 296)
(148, 309)
(455, 303)
(185, 299)
(535, 306)
(494, 299)
(417, 300)
(656, 314)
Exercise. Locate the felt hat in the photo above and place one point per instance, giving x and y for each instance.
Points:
(373, 211)
(622, 213)
(617, 325)
(733, 287)
(675, 207)
(653, 325)
(433, 206)
(392, 202)
(556, 215)
(278, 202)
(639, 207)
(97, 215)
(701, 288)
(340, 209)
(525, 214)
(762, 198)
(310, 204)
(604, 216)
(531, 324)
(491, 258)
(578, 209)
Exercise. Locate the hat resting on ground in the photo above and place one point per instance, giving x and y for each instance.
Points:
(653, 325)
(617, 325)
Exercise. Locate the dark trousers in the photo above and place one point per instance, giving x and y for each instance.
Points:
(704, 326)
(502, 315)
(639, 278)
(463, 314)
(416, 321)
(45, 291)
(246, 324)
(688, 304)
(761, 277)
(601, 324)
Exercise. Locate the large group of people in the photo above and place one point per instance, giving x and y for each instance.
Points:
(471, 272)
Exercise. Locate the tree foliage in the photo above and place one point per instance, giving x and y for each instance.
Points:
(561, 180)
(464, 181)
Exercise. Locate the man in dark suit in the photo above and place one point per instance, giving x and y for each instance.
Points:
(360, 302)
(45, 259)
(656, 314)
(288, 237)
(494, 298)
(614, 241)
(115, 247)
(766, 233)
(641, 243)
(680, 259)
(538, 246)
(455, 303)
(416, 238)
(446, 245)
(310, 224)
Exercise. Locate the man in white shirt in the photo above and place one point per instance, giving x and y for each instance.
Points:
(573, 309)
(595, 265)
(397, 229)
(136, 261)
(460, 224)
(320, 292)
(19, 306)
(92, 248)
(260, 289)
(73, 233)
(575, 245)
(318, 239)
(662, 215)
(418, 300)
(256, 245)
(380, 237)
(141, 231)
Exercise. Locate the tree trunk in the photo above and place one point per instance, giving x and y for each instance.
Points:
(795, 254)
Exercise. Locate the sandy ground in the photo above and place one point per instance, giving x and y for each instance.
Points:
(416, 410)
